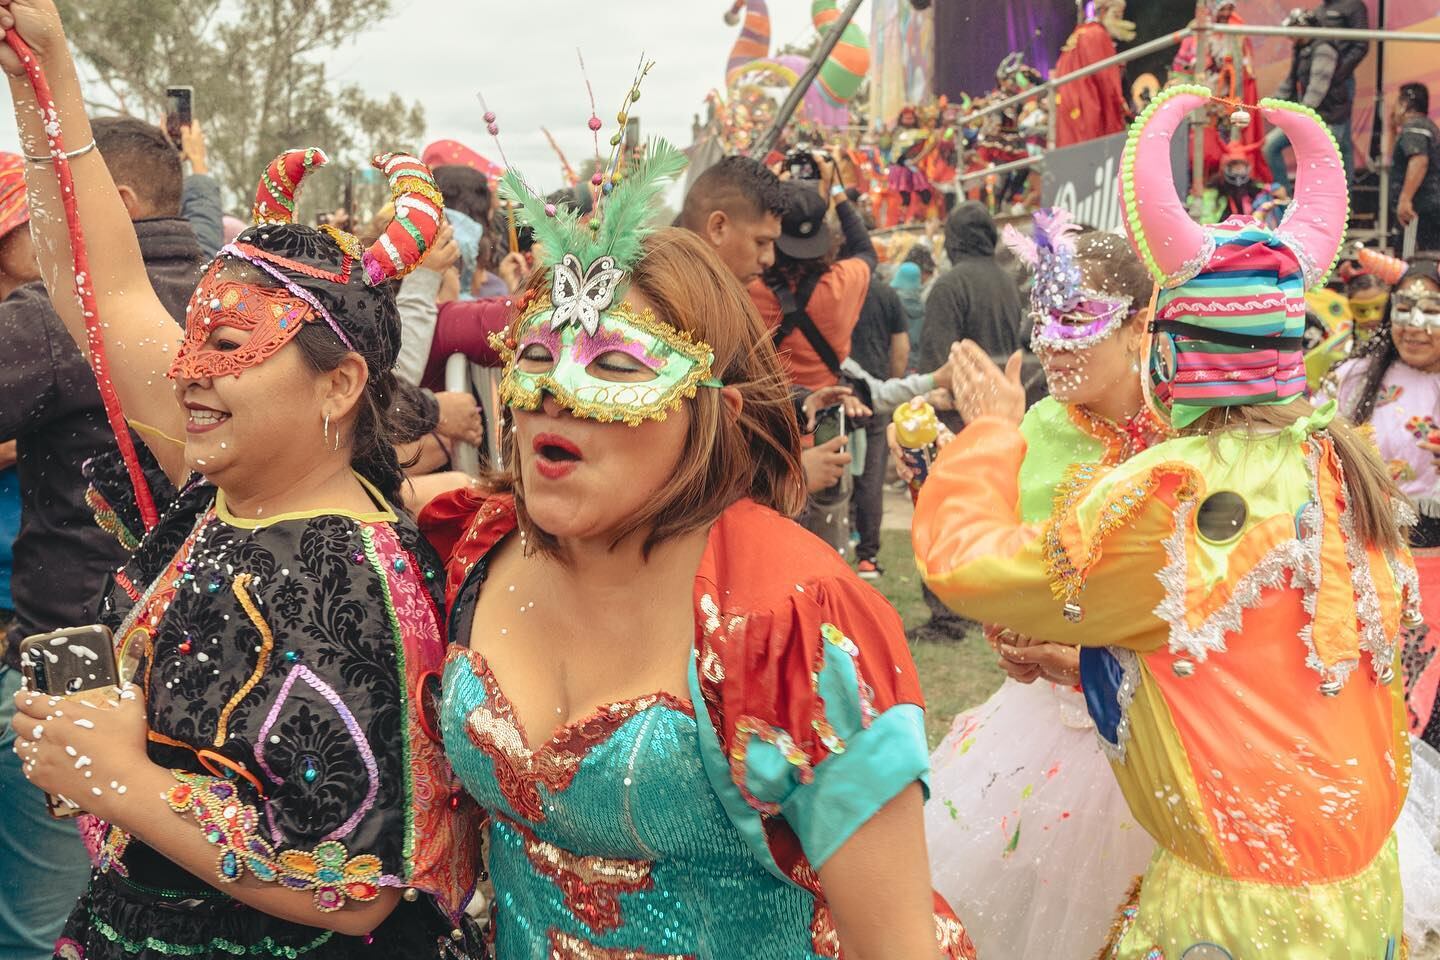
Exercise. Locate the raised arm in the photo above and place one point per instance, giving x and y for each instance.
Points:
(138, 333)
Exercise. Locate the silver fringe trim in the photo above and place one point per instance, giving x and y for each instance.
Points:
(1191, 268)
(1368, 617)
(1299, 557)
(1129, 683)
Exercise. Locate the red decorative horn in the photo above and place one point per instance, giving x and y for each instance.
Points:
(418, 212)
(1389, 269)
(275, 197)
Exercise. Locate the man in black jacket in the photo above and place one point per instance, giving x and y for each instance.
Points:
(50, 405)
(974, 300)
(1322, 76)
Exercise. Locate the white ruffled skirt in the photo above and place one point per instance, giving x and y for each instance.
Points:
(1030, 838)
(1031, 842)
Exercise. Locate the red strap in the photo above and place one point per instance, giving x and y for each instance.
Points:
(84, 288)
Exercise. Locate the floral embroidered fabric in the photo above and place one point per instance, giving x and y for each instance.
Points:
(279, 663)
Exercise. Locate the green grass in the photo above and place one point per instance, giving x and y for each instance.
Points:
(954, 676)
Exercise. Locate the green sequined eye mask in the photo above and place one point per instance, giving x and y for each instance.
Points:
(598, 358)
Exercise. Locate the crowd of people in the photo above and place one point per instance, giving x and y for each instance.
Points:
(626, 693)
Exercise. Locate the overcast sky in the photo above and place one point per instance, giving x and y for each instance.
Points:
(521, 54)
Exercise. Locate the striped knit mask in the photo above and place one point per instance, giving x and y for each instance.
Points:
(1229, 316)
(1232, 335)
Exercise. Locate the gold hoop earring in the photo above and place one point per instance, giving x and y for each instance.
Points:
(326, 428)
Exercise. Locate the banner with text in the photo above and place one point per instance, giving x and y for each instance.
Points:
(1085, 178)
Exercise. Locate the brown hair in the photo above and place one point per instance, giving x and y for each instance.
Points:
(755, 453)
(1109, 264)
(1369, 487)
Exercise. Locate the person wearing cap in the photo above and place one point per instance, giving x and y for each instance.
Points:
(1321, 77)
(1240, 593)
(811, 299)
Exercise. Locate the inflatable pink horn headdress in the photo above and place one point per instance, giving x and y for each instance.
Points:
(1173, 246)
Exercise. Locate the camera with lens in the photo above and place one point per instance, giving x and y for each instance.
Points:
(802, 165)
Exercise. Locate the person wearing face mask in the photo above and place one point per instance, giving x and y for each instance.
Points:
(1237, 591)
(1234, 191)
(695, 732)
(1369, 297)
(1394, 386)
(266, 783)
(1007, 819)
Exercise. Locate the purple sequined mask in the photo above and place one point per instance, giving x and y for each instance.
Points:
(1067, 315)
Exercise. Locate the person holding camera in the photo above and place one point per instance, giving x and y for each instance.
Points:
(810, 298)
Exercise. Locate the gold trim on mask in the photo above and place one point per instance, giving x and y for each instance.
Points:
(623, 402)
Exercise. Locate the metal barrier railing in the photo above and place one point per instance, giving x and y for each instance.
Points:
(1200, 31)
(465, 377)
(457, 380)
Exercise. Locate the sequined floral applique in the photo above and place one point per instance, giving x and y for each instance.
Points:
(232, 825)
(111, 856)
(496, 730)
(591, 885)
(564, 946)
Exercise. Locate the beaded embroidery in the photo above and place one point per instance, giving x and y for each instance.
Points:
(240, 586)
(1121, 441)
(231, 825)
(106, 519)
(208, 948)
(111, 856)
(1067, 578)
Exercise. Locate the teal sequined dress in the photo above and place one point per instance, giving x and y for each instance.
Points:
(691, 824)
(664, 873)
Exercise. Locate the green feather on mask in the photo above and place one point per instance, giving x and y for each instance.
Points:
(625, 216)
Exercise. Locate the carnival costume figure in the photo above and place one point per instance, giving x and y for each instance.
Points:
(1001, 140)
(1229, 70)
(909, 144)
(696, 820)
(1092, 106)
(1012, 820)
(1235, 192)
(266, 784)
(1239, 592)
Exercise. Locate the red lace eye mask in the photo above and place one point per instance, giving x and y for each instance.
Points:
(271, 316)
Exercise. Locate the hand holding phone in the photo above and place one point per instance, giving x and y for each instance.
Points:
(67, 662)
(829, 424)
(179, 112)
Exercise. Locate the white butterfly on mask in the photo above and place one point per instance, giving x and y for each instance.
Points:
(582, 300)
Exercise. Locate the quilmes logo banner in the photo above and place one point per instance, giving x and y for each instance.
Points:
(1085, 178)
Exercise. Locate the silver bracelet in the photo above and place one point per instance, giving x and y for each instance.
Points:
(71, 155)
